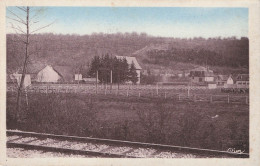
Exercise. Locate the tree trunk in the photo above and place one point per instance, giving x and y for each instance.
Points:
(20, 87)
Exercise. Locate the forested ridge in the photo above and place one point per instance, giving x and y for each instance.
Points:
(76, 50)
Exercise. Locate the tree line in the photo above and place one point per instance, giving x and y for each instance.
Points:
(107, 67)
(69, 50)
(218, 52)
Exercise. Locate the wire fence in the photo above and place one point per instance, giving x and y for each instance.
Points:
(177, 93)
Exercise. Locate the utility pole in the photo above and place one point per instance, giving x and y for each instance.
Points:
(96, 81)
(111, 79)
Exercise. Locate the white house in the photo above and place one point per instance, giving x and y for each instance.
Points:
(48, 74)
(230, 81)
(133, 60)
(78, 77)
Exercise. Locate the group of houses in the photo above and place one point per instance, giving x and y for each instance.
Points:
(200, 76)
(206, 76)
(45, 73)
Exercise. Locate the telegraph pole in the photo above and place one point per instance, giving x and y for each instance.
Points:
(111, 79)
(96, 81)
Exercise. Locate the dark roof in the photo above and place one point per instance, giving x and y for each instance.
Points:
(66, 72)
(222, 77)
(35, 68)
(32, 68)
(242, 77)
(201, 68)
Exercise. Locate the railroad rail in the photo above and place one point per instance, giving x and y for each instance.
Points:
(108, 147)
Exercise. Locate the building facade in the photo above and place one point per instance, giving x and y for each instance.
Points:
(224, 79)
(242, 80)
(201, 75)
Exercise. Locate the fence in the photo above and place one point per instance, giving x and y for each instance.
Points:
(177, 93)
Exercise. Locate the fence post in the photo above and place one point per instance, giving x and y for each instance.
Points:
(211, 99)
(228, 99)
(157, 91)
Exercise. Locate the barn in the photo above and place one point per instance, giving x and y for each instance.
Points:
(48, 74)
(42, 73)
(133, 60)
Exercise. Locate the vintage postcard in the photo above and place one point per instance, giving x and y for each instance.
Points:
(129, 83)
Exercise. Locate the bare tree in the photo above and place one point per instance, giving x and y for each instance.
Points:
(23, 21)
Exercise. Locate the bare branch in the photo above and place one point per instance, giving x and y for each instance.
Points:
(21, 8)
(15, 20)
(42, 27)
(12, 26)
(17, 16)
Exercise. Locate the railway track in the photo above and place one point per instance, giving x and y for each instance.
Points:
(107, 147)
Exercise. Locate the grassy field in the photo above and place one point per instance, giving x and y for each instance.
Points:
(194, 124)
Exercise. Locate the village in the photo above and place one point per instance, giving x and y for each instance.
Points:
(199, 76)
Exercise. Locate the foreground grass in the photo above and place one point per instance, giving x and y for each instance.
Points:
(202, 125)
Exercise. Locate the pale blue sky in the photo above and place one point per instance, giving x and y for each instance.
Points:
(156, 21)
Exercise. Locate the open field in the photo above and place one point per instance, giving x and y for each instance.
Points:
(195, 124)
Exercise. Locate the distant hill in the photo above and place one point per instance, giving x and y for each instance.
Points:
(152, 52)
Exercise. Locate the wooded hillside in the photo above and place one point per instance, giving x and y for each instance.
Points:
(76, 50)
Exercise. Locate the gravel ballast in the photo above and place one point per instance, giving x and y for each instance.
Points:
(21, 153)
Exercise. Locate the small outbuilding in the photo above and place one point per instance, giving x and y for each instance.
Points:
(78, 77)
